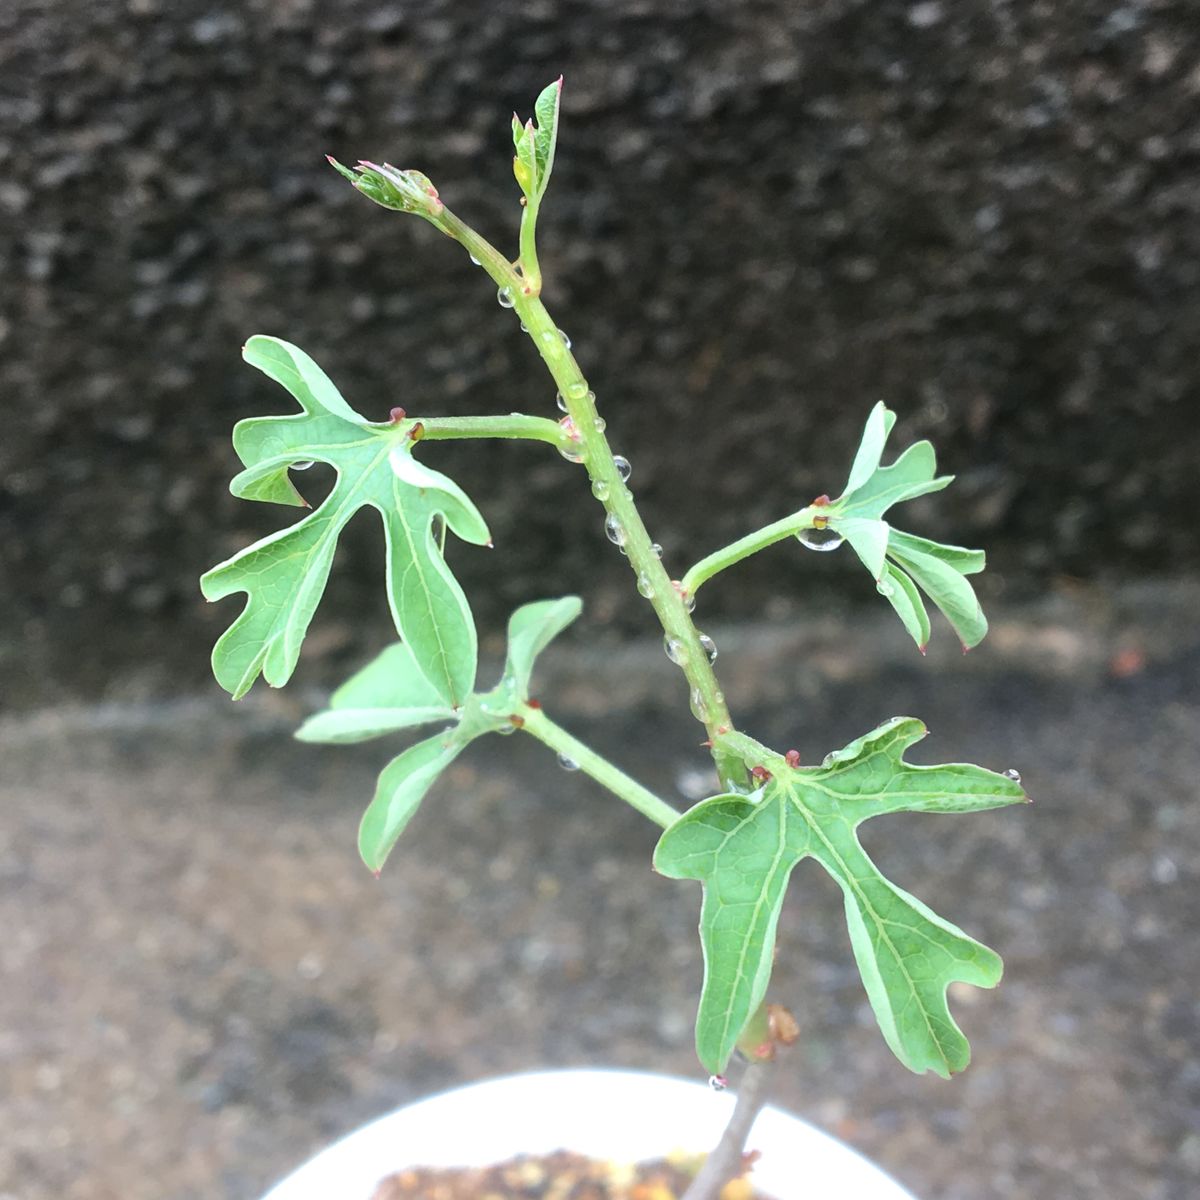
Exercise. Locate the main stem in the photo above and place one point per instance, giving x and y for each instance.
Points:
(707, 699)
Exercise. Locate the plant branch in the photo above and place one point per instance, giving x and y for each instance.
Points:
(516, 425)
(724, 1162)
(752, 543)
(668, 601)
(600, 769)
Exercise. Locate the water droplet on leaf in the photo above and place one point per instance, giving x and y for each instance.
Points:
(301, 466)
(820, 539)
(885, 587)
(1015, 776)
(504, 297)
(718, 1083)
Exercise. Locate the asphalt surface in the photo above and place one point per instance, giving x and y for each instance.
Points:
(202, 985)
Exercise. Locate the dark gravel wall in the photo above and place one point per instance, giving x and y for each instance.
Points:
(766, 215)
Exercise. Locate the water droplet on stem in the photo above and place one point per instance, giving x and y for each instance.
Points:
(676, 650)
(567, 763)
(709, 647)
(820, 539)
(504, 297)
(1012, 774)
(614, 530)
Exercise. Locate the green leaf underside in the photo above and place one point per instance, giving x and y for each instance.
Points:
(743, 850)
(530, 630)
(398, 794)
(284, 575)
(391, 693)
(900, 561)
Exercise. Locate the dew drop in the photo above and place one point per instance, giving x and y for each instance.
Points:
(524, 327)
(676, 650)
(699, 705)
(718, 1083)
(624, 469)
(689, 601)
(820, 539)
(301, 466)
(504, 297)
(599, 424)
(709, 647)
(561, 401)
(614, 530)
(566, 341)
(475, 262)
(885, 588)
(1015, 776)
(554, 346)
(573, 450)
(645, 587)
(656, 550)
(578, 390)
(600, 489)
(567, 763)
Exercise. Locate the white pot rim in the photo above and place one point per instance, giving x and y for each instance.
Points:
(620, 1115)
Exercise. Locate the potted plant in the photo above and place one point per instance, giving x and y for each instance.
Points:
(768, 811)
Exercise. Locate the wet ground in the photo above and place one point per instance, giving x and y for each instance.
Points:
(202, 985)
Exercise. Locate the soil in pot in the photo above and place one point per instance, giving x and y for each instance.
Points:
(559, 1176)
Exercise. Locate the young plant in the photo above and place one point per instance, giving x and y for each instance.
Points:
(770, 813)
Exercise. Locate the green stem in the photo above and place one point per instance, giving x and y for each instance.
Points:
(536, 429)
(752, 543)
(531, 271)
(600, 769)
(668, 601)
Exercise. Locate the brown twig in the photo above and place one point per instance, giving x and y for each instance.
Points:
(725, 1161)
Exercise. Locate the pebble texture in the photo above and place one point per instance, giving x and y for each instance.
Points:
(203, 985)
(765, 216)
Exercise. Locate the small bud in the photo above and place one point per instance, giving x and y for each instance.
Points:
(533, 704)
(516, 721)
(783, 1026)
(820, 522)
(760, 774)
(417, 432)
(792, 757)
(397, 415)
(820, 501)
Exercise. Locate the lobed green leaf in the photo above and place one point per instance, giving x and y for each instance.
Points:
(284, 574)
(743, 850)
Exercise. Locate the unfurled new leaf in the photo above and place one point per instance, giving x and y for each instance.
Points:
(534, 145)
(284, 575)
(403, 191)
(899, 561)
(743, 849)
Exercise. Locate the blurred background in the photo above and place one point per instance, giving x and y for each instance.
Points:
(765, 216)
